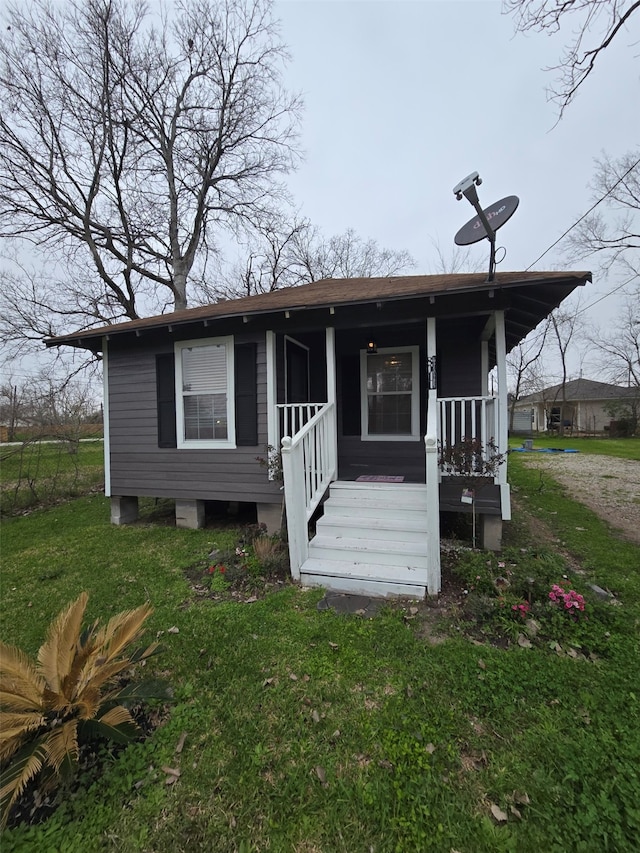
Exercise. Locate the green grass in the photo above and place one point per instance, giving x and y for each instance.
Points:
(311, 732)
(37, 473)
(622, 448)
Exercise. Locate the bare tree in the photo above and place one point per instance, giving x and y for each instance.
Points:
(524, 364)
(44, 406)
(621, 348)
(595, 25)
(457, 260)
(614, 238)
(11, 408)
(565, 327)
(346, 255)
(131, 139)
(286, 254)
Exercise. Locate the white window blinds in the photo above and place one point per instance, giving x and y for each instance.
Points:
(204, 369)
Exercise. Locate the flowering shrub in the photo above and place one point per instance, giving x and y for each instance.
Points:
(469, 458)
(521, 609)
(218, 581)
(567, 599)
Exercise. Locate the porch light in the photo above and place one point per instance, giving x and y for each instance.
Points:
(372, 349)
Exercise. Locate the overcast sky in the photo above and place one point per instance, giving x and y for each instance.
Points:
(404, 99)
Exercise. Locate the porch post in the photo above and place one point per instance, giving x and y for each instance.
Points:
(105, 418)
(331, 396)
(297, 527)
(432, 478)
(273, 439)
(503, 434)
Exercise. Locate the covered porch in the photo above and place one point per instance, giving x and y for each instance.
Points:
(371, 451)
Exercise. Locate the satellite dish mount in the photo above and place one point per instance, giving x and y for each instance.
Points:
(487, 221)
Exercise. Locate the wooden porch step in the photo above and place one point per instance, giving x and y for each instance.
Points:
(411, 527)
(364, 579)
(369, 504)
(372, 540)
(402, 494)
(380, 552)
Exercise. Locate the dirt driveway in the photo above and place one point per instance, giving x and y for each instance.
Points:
(608, 486)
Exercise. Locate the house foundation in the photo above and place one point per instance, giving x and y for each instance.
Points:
(189, 513)
(271, 516)
(124, 509)
(491, 532)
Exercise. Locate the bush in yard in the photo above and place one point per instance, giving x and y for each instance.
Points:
(75, 692)
(527, 590)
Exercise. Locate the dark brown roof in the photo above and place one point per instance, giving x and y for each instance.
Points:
(353, 291)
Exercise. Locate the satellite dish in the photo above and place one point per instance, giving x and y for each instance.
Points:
(496, 214)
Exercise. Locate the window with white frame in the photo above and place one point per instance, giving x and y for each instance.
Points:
(204, 393)
(390, 389)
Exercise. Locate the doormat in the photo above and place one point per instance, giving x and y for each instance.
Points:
(378, 478)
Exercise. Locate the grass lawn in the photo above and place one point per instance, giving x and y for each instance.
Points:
(622, 448)
(36, 473)
(316, 733)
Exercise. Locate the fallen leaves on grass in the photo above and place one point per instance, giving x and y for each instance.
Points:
(172, 775)
(321, 773)
(498, 814)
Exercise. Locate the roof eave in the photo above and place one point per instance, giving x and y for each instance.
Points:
(82, 339)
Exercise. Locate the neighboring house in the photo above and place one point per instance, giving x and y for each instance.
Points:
(587, 405)
(360, 382)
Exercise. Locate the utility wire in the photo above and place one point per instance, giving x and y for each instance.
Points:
(610, 293)
(584, 215)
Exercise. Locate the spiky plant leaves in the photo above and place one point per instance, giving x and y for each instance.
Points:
(71, 693)
(123, 733)
(152, 688)
(57, 653)
(62, 747)
(26, 765)
(122, 630)
(20, 683)
(15, 727)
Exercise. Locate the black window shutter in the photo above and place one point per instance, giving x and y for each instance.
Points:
(246, 391)
(166, 394)
(350, 367)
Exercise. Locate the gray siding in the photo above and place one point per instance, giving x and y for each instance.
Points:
(459, 357)
(140, 467)
(381, 458)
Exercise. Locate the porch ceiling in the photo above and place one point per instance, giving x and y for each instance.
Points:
(527, 297)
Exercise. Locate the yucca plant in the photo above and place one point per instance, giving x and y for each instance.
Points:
(72, 694)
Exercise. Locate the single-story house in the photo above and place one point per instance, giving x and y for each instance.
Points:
(371, 389)
(586, 408)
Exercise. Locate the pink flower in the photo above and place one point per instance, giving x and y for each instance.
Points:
(571, 599)
(521, 609)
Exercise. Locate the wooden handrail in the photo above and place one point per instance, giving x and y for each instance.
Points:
(308, 466)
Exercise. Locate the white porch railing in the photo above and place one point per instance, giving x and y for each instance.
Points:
(471, 418)
(293, 416)
(308, 465)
